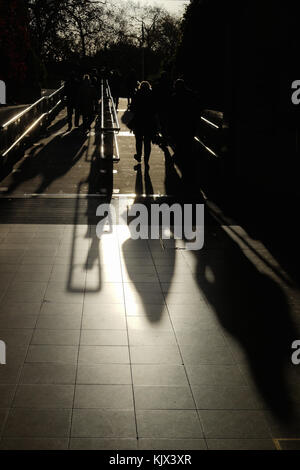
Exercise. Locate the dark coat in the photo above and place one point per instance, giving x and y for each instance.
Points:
(143, 107)
(184, 112)
(87, 98)
(71, 91)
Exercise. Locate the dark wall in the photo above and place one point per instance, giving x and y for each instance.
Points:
(242, 57)
(265, 120)
(20, 68)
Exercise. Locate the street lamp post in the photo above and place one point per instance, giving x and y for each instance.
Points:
(142, 42)
(143, 51)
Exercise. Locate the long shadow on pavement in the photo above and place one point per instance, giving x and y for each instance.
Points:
(252, 309)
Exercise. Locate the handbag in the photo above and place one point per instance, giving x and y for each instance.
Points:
(127, 118)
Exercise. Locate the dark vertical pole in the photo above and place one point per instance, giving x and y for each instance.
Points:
(143, 63)
(143, 52)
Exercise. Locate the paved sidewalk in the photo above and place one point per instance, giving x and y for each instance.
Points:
(112, 340)
(140, 344)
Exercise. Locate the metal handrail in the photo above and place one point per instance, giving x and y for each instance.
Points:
(102, 107)
(18, 127)
(114, 113)
(113, 118)
(213, 126)
(210, 123)
(18, 116)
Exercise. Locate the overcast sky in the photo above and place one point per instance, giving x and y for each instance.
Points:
(174, 6)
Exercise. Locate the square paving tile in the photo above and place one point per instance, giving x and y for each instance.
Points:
(172, 444)
(103, 444)
(234, 424)
(18, 321)
(171, 424)
(57, 354)
(10, 373)
(103, 309)
(145, 298)
(24, 422)
(16, 338)
(155, 355)
(59, 322)
(157, 374)
(151, 338)
(15, 355)
(18, 309)
(103, 321)
(206, 353)
(6, 394)
(44, 396)
(103, 355)
(104, 338)
(240, 444)
(34, 444)
(3, 415)
(8, 267)
(58, 337)
(159, 322)
(163, 398)
(34, 274)
(58, 292)
(192, 323)
(48, 374)
(26, 292)
(215, 375)
(103, 423)
(61, 309)
(104, 396)
(109, 374)
(45, 260)
(224, 397)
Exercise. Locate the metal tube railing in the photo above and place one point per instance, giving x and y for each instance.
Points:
(102, 107)
(211, 132)
(22, 113)
(114, 112)
(18, 127)
(108, 118)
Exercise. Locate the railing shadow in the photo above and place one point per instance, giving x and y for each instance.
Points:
(100, 186)
(49, 162)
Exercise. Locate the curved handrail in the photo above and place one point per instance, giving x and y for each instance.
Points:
(26, 110)
(13, 131)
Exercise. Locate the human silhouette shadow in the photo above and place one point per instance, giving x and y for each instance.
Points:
(148, 184)
(251, 307)
(57, 125)
(50, 161)
(153, 305)
(273, 222)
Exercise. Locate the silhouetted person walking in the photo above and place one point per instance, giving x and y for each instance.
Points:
(87, 98)
(131, 85)
(95, 81)
(184, 115)
(72, 86)
(144, 121)
(115, 86)
(163, 91)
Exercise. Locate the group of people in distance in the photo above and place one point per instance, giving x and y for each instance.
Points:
(82, 96)
(168, 108)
